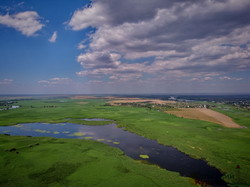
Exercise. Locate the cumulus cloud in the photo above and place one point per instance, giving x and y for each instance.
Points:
(6, 81)
(81, 46)
(53, 38)
(89, 16)
(162, 38)
(55, 81)
(98, 64)
(99, 60)
(28, 22)
(230, 78)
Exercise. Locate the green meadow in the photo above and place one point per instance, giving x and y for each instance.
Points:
(44, 161)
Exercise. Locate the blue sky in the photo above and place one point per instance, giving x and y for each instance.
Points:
(113, 46)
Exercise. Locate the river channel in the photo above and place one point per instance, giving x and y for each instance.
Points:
(134, 146)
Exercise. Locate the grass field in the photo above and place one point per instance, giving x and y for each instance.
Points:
(70, 162)
(222, 147)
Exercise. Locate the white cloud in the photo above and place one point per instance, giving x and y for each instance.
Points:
(81, 46)
(230, 78)
(56, 81)
(157, 53)
(53, 38)
(185, 39)
(28, 22)
(6, 81)
(99, 60)
(93, 16)
(208, 78)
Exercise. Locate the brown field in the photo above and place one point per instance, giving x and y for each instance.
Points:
(137, 100)
(205, 115)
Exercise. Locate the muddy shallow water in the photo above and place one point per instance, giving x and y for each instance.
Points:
(134, 146)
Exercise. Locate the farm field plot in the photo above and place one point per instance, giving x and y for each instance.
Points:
(138, 100)
(206, 115)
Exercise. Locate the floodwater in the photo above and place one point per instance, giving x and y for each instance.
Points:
(134, 146)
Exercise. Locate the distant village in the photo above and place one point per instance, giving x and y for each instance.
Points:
(239, 104)
(186, 104)
(167, 106)
(8, 105)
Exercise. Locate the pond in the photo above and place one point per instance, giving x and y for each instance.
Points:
(134, 146)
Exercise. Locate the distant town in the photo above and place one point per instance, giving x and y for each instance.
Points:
(8, 105)
(240, 103)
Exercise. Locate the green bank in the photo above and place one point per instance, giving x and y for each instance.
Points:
(41, 161)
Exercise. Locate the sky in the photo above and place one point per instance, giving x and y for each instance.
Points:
(124, 47)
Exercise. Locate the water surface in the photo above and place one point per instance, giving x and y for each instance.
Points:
(96, 119)
(134, 146)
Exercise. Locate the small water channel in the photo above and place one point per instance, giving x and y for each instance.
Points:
(134, 146)
(96, 119)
